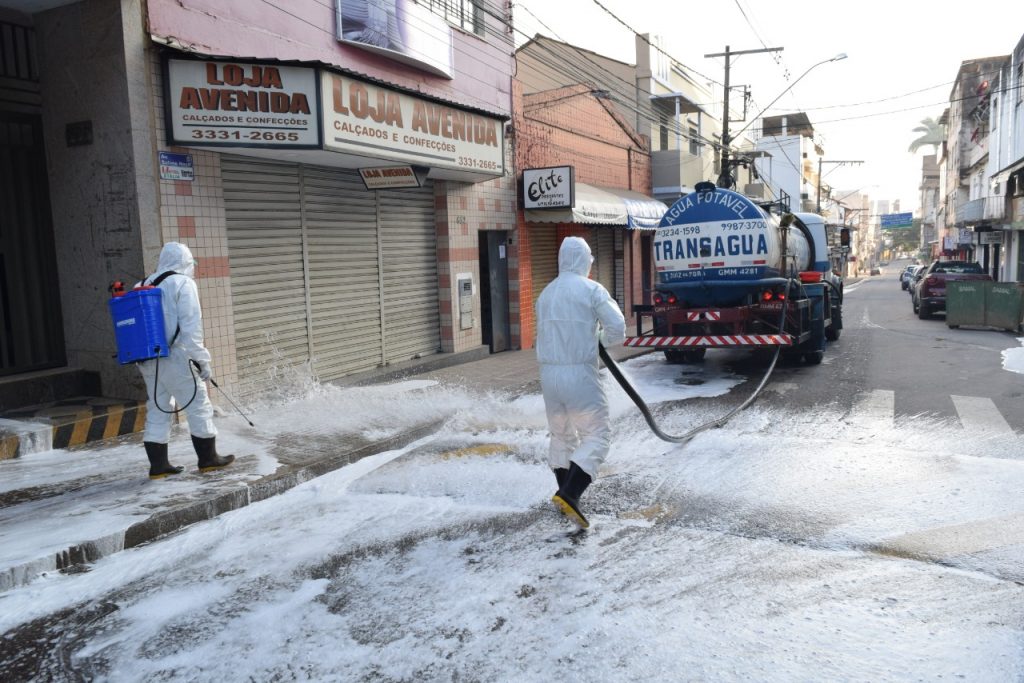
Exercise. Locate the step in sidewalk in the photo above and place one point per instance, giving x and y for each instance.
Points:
(68, 422)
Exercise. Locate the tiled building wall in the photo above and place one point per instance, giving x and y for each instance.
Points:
(463, 210)
(193, 213)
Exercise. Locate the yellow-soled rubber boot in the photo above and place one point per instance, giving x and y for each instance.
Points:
(571, 511)
(567, 500)
(159, 467)
(206, 450)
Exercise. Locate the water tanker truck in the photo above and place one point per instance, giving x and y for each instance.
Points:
(731, 274)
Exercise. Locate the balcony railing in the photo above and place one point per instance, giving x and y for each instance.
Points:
(981, 209)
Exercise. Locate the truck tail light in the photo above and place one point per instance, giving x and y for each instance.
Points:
(665, 298)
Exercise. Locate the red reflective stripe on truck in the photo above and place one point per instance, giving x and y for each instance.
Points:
(711, 341)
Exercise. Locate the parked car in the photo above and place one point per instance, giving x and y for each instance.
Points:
(874, 271)
(928, 293)
(905, 276)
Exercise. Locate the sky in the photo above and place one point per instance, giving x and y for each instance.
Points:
(744, 555)
(902, 59)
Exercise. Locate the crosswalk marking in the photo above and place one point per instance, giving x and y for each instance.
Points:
(980, 415)
(958, 539)
(876, 406)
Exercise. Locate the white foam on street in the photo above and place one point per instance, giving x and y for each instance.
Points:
(739, 556)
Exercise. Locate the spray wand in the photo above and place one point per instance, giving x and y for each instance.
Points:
(235, 405)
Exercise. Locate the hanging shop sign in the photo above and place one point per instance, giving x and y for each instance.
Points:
(236, 104)
(373, 121)
(390, 176)
(548, 188)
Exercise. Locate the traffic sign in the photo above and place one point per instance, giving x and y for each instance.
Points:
(891, 221)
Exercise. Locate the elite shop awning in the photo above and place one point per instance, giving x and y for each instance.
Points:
(605, 206)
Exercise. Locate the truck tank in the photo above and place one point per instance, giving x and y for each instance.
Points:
(716, 247)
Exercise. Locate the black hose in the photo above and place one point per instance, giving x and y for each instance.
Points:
(156, 383)
(613, 368)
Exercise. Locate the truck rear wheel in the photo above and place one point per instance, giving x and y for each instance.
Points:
(694, 355)
(832, 331)
(814, 357)
(675, 356)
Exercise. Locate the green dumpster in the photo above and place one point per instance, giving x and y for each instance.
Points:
(965, 302)
(1003, 305)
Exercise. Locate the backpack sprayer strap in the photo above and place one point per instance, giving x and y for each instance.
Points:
(155, 283)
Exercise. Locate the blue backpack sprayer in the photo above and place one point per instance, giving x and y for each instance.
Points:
(140, 333)
(138, 316)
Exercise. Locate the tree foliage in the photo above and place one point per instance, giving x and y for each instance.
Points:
(931, 133)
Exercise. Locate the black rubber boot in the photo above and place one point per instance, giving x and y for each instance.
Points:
(567, 500)
(159, 467)
(206, 449)
(561, 474)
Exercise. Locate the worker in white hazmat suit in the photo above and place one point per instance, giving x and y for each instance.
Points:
(573, 313)
(172, 376)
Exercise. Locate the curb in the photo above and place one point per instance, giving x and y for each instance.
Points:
(76, 557)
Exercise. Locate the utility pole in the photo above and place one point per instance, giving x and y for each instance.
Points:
(820, 162)
(724, 163)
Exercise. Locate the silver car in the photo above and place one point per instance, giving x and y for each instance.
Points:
(907, 276)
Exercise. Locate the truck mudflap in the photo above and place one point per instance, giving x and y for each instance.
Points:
(710, 341)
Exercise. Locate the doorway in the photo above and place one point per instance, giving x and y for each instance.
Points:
(31, 327)
(646, 270)
(494, 320)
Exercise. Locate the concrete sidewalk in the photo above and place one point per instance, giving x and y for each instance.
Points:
(63, 509)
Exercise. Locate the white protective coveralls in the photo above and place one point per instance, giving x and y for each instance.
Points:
(180, 300)
(573, 312)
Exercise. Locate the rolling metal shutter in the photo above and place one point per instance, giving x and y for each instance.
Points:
(315, 259)
(264, 232)
(620, 274)
(543, 257)
(408, 242)
(602, 241)
(341, 233)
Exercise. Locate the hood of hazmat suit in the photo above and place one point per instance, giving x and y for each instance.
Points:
(180, 299)
(574, 310)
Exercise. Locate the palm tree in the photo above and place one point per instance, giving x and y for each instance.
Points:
(932, 133)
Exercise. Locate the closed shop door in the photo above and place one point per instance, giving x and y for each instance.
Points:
(264, 231)
(341, 232)
(408, 241)
(31, 330)
(543, 257)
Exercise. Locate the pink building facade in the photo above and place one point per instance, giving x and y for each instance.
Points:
(340, 170)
